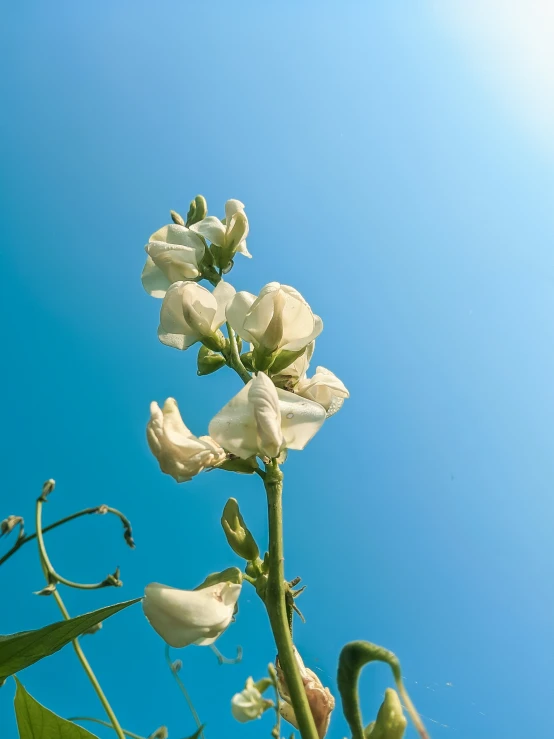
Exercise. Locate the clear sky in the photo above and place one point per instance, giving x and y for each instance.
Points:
(396, 162)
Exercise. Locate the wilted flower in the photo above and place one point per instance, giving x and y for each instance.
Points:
(278, 319)
(180, 453)
(249, 704)
(229, 234)
(325, 388)
(319, 698)
(191, 313)
(262, 419)
(183, 617)
(174, 254)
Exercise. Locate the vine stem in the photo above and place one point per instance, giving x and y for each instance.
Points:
(44, 561)
(101, 509)
(275, 603)
(184, 691)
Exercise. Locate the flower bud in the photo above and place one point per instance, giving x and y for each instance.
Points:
(390, 723)
(47, 488)
(9, 524)
(208, 361)
(176, 218)
(160, 733)
(197, 211)
(239, 537)
(93, 629)
(249, 704)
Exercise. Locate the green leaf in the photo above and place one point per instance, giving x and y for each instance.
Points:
(37, 722)
(18, 651)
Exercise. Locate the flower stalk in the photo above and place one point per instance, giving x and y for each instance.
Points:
(276, 606)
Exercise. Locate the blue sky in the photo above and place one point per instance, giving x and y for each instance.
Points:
(397, 169)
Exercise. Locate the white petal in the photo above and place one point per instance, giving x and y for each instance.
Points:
(175, 261)
(237, 311)
(243, 249)
(301, 419)
(234, 427)
(265, 402)
(172, 319)
(181, 235)
(223, 292)
(232, 207)
(210, 228)
(153, 279)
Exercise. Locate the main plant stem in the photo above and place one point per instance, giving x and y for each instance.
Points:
(276, 604)
(45, 563)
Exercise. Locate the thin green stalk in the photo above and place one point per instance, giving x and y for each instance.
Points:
(233, 360)
(44, 561)
(184, 691)
(52, 575)
(276, 604)
(104, 723)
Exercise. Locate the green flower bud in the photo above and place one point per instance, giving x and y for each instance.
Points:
(214, 340)
(262, 359)
(239, 537)
(176, 218)
(198, 210)
(390, 723)
(208, 361)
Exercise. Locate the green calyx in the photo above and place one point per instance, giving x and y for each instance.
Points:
(231, 574)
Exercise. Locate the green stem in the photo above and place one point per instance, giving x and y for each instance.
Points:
(184, 691)
(101, 509)
(43, 556)
(105, 723)
(233, 360)
(276, 605)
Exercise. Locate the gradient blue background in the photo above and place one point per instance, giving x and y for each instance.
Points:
(385, 182)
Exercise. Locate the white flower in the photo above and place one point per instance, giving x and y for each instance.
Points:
(190, 312)
(183, 617)
(325, 388)
(320, 699)
(174, 253)
(278, 319)
(180, 453)
(230, 233)
(249, 704)
(262, 419)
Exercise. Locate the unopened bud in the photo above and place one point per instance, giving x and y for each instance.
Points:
(177, 666)
(391, 722)
(239, 537)
(47, 488)
(208, 361)
(9, 524)
(198, 210)
(160, 733)
(176, 218)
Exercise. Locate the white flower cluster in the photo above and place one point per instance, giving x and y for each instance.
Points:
(280, 407)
